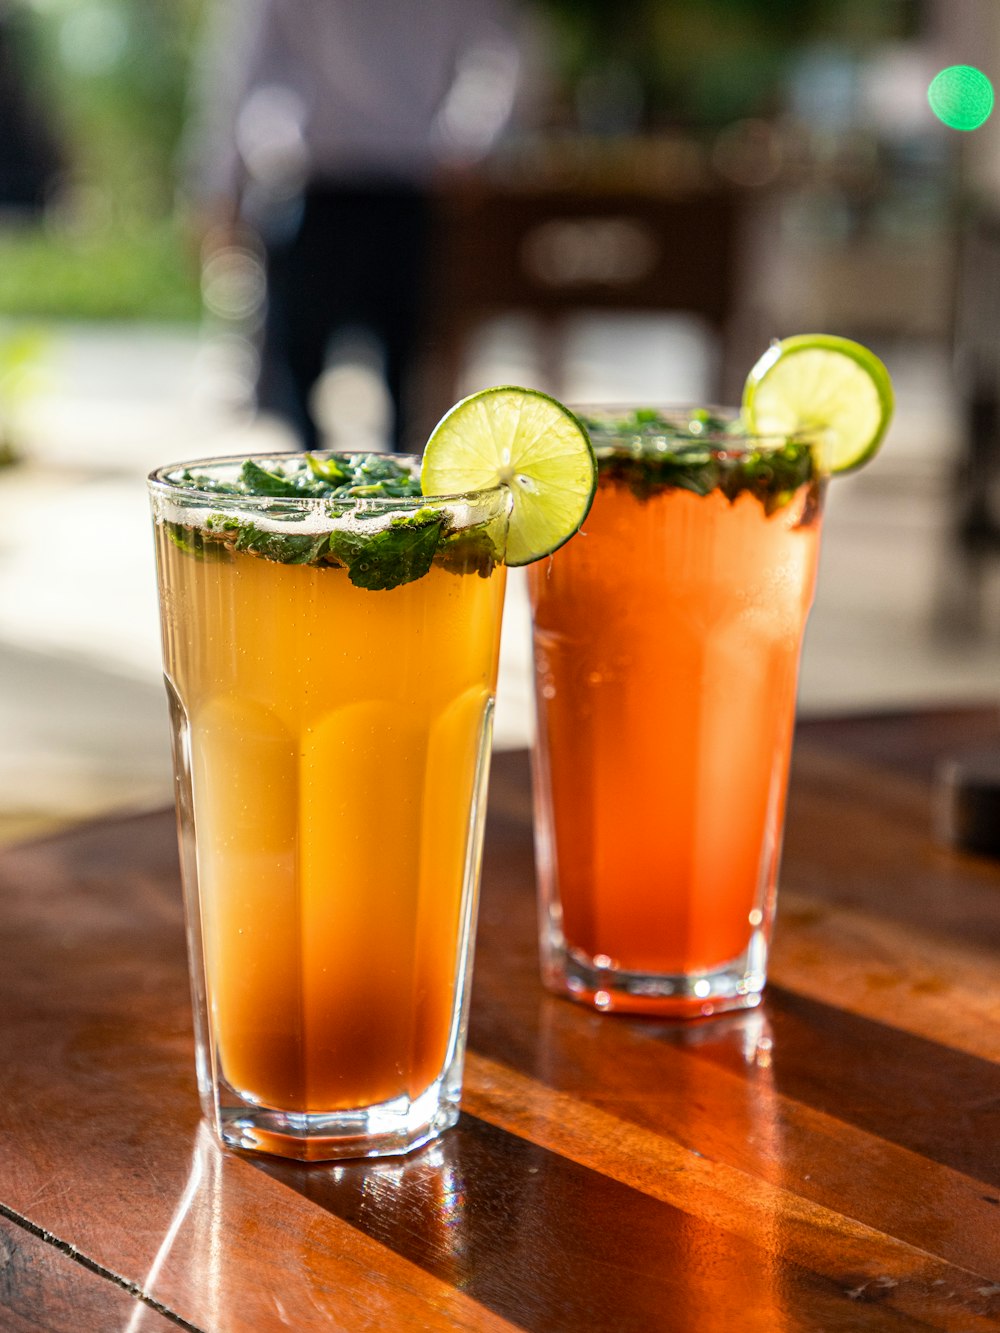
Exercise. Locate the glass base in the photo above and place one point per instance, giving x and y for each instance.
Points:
(734, 985)
(386, 1130)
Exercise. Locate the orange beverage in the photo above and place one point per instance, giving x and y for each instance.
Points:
(331, 742)
(667, 641)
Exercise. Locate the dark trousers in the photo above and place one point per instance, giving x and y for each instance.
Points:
(356, 259)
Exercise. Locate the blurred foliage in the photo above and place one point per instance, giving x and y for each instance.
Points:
(142, 273)
(109, 77)
(703, 65)
(106, 81)
(115, 74)
(20, 377)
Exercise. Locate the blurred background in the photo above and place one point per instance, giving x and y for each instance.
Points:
(629, 201)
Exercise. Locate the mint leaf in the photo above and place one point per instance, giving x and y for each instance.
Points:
(257, 481)
(379, 474)
(377, 560)
(688, 467)
(332, 471)
(287, 548)
(469, 551)
(196, 542)
(395, 555)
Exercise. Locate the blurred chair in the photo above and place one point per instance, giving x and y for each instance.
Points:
(554, 250)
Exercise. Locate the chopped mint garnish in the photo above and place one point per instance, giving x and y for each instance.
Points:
(650, 452)
(386, 557)
(645, 420)
(309, 475)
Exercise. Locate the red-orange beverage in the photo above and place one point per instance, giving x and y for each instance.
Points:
(667, 640)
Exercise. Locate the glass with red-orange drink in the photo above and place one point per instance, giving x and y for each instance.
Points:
(667, 639)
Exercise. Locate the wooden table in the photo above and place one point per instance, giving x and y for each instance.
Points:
(828, 1162)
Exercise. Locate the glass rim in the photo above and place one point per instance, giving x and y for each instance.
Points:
(159, 481)
(607, 424)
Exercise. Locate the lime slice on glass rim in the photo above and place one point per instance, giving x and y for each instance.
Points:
(819, 385)
(530, 443)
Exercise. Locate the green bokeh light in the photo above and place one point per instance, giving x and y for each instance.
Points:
(961, 97)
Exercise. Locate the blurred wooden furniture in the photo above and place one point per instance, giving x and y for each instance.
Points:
(830, 1161)
(975, 492)
(552, 248)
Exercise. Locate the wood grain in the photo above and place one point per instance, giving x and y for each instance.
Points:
(44, 1288)
(830, 1161)
(100, 1145)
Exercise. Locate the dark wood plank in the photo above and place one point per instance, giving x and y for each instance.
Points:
(43, 1288)
(861, 1262)
(890, 739)
(557, 1245)
(510, 916)
(902, 974)
(862, 836)
(921, 1095)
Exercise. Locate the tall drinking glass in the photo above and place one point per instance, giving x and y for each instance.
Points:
(667, 638)
(331, 669)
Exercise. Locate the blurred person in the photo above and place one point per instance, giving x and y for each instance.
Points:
(319, 126)
(29, 156)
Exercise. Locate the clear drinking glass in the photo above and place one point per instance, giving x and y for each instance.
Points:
(331, 745)
(667, 639)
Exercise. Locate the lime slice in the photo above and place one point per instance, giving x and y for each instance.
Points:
(824, 386)
(529, 442)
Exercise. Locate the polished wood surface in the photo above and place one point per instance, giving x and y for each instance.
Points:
(830, 1161)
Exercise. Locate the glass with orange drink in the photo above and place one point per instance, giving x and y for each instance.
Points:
(330, 629)
(331, 739)
(667, 639)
